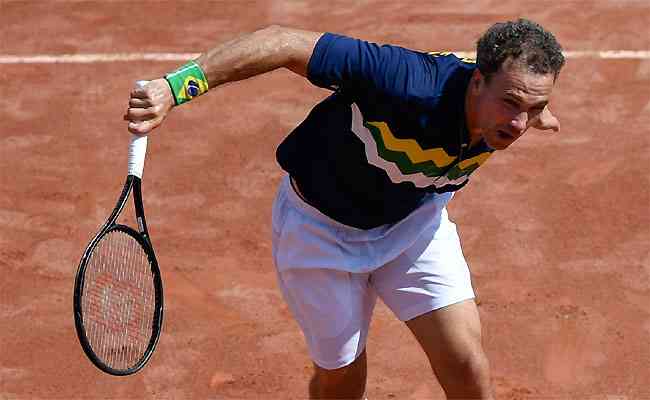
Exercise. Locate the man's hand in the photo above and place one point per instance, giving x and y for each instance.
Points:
(546, 121)
(148, 106)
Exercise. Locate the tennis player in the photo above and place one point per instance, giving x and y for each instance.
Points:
(361, 212)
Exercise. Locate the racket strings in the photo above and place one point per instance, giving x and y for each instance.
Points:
(118, 301)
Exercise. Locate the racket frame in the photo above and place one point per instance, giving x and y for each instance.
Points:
(132, 184)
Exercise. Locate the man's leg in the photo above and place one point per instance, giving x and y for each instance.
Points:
(333, 310)
(332, 307)
(429, 287)
(451, 338)
(348, 382)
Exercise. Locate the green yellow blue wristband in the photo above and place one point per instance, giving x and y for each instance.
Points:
(187, 82)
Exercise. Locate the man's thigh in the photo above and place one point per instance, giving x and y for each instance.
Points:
(333, 309)
(430, 275)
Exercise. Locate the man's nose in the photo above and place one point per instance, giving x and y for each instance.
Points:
(519, 122)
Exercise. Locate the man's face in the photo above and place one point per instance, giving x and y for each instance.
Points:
(506, 106)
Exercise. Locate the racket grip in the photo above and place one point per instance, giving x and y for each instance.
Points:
(137, 148)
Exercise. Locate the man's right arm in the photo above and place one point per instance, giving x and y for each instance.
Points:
(244, 57)
(259, 52)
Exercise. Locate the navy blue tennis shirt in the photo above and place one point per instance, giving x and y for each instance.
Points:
(393, 130)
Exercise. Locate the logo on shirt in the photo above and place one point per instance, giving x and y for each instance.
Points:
(461, 57)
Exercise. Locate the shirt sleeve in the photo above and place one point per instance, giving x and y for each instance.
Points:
(356, 65)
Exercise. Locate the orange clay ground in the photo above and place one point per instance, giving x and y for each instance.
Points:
(556, 229)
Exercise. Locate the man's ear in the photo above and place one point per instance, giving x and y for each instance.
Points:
(477, 80)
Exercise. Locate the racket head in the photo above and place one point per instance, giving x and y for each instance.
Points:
(118, 300)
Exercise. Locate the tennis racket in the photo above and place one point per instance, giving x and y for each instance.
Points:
(118, 294)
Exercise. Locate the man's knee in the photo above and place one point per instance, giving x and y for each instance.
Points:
(347, 382)
(465, 373)
(469, 372)
(451, 338)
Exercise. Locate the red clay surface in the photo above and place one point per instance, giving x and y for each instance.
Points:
(555, 229)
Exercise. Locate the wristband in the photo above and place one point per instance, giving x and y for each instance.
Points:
(187, 82)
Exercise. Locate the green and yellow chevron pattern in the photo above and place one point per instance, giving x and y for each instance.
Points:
(404, 160)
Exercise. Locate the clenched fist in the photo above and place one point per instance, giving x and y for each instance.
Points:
(149, 106)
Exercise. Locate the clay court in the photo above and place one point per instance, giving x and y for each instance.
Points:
(556, 230)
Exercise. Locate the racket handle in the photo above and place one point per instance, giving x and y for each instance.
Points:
(137, 148)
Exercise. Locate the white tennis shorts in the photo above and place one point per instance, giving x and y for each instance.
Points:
(331, 274)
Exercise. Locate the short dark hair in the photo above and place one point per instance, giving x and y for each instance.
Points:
(523, 41)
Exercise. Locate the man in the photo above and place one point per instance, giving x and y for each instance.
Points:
(362, 210)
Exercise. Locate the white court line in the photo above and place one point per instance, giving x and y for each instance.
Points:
(117, 57)
(93, 58)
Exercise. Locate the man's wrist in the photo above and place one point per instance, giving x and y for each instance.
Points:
(187, 82)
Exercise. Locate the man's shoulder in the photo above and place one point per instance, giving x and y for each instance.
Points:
(449, 63)
(452, 72)
(452, 57)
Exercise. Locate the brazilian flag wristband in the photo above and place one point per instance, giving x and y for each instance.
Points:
(187, 82)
